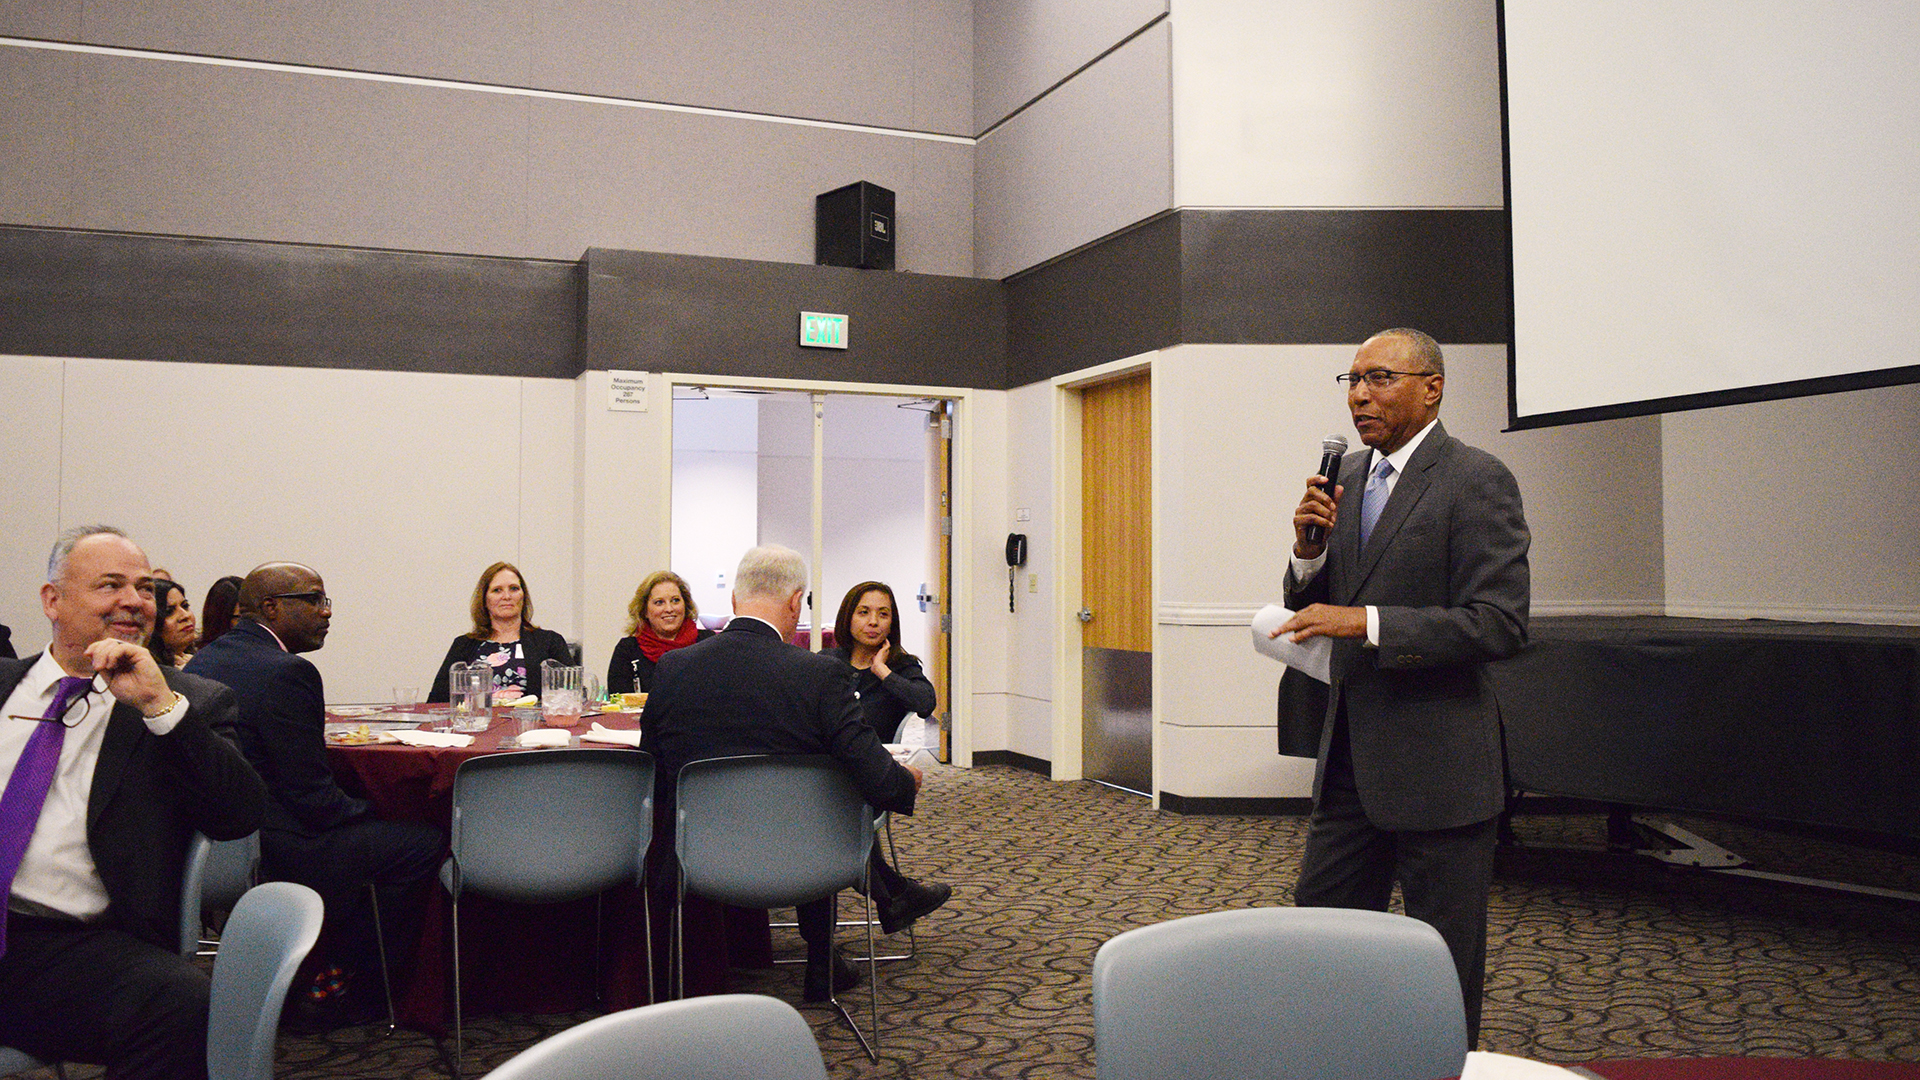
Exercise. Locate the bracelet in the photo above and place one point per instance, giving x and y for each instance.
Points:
(171, 705)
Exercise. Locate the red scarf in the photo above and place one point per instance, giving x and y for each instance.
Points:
(655, 646)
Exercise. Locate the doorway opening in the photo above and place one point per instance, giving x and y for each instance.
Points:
(860, 484)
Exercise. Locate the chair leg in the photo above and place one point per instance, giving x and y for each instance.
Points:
(677, 950)
(646, 923)
(459, 1036)
(380, 942)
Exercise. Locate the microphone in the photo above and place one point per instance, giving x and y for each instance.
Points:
(1331, 448)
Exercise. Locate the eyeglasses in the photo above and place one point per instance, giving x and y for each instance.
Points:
(317, 599)
(1378, 378)
(83, 704)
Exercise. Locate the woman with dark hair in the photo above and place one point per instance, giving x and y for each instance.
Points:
(890, 684)
(660, 618)
(216, 615)
(503, 635)
(173, 638)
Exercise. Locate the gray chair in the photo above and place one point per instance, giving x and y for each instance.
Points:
(765, 830)
(18, 1061)
(1306, 993)
(547, 826)
(271, 929)
(218, 873)
(708, 1038)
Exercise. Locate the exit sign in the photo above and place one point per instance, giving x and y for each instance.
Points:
(821, 330)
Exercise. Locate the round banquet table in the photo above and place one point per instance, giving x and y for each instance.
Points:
(518, 957)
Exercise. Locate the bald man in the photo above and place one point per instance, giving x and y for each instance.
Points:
(316, 833)
(90, 967)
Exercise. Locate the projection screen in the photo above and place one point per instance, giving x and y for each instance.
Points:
(1713, 201)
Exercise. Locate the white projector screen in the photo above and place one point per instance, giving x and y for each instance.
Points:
(1713, 201)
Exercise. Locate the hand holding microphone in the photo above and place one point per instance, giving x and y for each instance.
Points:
(1314, 516)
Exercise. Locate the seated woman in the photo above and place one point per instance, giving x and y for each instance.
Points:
(660, 618)
(216, 614)
(174, 638)
(890, 684)
(503, 635)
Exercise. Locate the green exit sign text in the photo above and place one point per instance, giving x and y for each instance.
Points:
(821, 330)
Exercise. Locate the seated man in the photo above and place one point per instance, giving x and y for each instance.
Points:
(315, 833)
(112, 764)
(747, 691)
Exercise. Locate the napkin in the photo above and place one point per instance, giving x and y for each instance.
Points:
(431, 738)
(610, 735)
(546, 737)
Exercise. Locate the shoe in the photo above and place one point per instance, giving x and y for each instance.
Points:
(902, 910)
(846, 976)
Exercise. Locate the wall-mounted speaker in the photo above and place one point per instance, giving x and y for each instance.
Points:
(853, 226)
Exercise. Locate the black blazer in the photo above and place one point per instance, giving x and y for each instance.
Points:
(886, 702)
(745, 691)
(151, 792)
(1447, 567)
(629, 671)
(537, 644)
(282, 727)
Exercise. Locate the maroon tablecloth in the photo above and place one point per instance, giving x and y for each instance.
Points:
(530, 958)
(1749, 1068)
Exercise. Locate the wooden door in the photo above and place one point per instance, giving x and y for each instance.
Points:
(1116, 546)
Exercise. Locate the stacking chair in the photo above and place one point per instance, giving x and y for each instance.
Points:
(218, 873)
(19, 1061)
(708, 1038)
(771, 831)
(271, 929)
(1306, 993)
(547, 826)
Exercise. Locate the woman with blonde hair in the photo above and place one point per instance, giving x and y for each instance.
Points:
(504, 636)
(661, 617)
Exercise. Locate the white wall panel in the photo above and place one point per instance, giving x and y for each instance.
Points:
(1798, 509)
(397, 488)
(1224, 763)
(1090, 158)
(1022, 47)
(1369, 103)
(30, 488)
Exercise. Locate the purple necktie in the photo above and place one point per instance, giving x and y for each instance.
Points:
(27, 788)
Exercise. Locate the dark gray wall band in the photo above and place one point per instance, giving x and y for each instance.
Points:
(1191, 276)
(136, 297)
(704, 315)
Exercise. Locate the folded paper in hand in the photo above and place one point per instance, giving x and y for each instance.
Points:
(597, 733)
(1312, 657)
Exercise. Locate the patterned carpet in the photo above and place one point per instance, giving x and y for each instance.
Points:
(1591, 956)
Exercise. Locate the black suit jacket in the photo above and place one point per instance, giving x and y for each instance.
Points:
(745, 691)
(151, 792)
(282, 727)
(1447, 567)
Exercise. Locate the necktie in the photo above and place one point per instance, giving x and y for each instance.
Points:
(27, 788)
(1374, 498)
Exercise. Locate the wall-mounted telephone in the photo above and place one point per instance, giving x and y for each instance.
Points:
(1016, 558)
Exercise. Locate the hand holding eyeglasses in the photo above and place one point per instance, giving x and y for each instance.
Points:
(131, 673)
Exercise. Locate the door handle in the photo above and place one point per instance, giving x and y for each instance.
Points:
(1086, 615)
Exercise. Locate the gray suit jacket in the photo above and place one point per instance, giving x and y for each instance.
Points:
(1447, 568)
